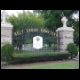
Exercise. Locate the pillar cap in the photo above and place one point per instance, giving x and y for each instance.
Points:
(3, 24)
(65, 29)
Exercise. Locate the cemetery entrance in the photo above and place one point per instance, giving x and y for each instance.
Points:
(34, 39)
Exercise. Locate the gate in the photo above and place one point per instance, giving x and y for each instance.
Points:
(23, 40)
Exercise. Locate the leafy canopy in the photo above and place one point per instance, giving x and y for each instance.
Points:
(25, 20)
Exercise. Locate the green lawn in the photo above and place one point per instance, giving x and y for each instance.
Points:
(63, 65)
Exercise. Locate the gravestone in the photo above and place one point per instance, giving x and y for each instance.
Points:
(64, 35)
(6, 30)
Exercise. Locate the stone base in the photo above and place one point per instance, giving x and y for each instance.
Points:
(64, 37)
(6, 33)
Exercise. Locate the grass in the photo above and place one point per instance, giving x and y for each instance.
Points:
(63, 65)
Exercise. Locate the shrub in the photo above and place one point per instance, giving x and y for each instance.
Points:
(36, 57)
(7, 52)
(72, 48)
(52, 48)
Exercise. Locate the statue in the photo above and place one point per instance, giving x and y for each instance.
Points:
(64, 21)
(4, 16)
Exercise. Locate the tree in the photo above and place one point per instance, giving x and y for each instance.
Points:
(22, 21)
(26, 19)
(53, 17)
(53, 20)
(76, 32)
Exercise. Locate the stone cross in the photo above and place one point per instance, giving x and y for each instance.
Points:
(64, 21)
(4, 16)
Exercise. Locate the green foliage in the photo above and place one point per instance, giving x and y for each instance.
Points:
(55, 65)
(23, 21)
(78, 48)
(76, 32)
(7, 52)
(53, 17)
(53, 20)
(27, 19)
(34, 57)
(51, 48)
(54, 47)
(29, 41)
(72, 48)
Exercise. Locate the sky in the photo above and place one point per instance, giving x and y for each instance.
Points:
(10, 12)
(76, 16)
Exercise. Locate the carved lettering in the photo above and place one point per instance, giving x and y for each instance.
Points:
(34, 30)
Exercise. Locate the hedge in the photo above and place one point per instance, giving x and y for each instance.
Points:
(36, 57)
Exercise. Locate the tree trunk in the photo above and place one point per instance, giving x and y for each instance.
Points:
(71, 56)
(49, 44)
(20, 48)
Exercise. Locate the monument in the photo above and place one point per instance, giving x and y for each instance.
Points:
(37, 42)
(4, 13)
(6, 30)
(64, 35)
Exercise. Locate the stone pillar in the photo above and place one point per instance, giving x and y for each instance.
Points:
(6, 32)
(64, 35)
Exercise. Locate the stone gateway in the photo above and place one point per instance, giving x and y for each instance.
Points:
(64, 36)
(6, 31)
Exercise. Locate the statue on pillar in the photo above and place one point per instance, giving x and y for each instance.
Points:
(4, 14)
(64, 21)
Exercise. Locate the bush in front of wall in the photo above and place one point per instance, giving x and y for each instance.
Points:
(7, 52)
(72, 48)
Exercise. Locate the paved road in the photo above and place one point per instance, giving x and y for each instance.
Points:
(76, 58)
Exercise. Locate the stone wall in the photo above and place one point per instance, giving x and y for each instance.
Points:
(64, 36)
(6, 34)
